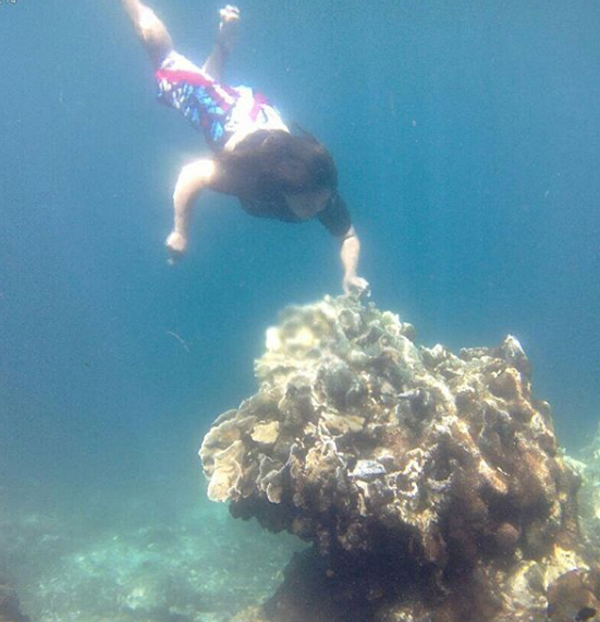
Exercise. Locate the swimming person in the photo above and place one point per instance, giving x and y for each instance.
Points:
(273, 172)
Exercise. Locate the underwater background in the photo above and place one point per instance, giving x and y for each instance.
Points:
(468, 144)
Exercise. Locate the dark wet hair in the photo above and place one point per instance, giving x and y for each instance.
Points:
(270, 163)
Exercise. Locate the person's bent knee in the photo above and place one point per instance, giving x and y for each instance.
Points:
(148, 23)
(154, 36)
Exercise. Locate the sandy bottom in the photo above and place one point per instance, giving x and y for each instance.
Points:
(126, 559)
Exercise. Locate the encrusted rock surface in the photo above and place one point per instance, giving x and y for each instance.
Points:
(588, 466)
(430, 483)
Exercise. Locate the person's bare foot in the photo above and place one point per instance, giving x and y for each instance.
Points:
(230, 19)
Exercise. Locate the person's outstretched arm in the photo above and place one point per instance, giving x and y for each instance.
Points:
(349, 254)
(192, 180)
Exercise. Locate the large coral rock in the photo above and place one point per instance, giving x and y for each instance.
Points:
(430, 483)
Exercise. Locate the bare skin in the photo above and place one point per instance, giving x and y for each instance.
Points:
(349, 254)
(150, 30)
(195, 176)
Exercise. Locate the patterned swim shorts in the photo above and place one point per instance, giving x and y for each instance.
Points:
(216, 109)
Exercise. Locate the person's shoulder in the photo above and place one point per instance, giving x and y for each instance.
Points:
(336, 217)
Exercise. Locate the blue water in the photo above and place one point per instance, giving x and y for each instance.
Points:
(468, 143)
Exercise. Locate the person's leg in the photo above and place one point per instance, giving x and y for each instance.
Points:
(224, 43)
(151, 31)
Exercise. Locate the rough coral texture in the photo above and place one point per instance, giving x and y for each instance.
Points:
(429, 483)
(588, 466)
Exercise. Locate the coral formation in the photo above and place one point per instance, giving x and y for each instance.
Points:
(589, 468)
(430, 483)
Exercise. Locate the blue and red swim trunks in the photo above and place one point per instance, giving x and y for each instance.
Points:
(217, 110)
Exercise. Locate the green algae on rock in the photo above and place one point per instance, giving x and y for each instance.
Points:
(430, 483)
